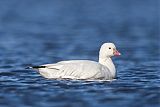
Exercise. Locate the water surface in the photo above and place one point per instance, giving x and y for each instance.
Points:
(38, 32)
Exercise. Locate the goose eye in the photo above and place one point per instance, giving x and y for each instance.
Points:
(109, 47)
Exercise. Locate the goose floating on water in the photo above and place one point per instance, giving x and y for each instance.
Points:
(83, 69)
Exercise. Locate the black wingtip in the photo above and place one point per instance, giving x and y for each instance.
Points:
(35, 67)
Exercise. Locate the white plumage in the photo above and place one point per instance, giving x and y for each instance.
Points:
(83, 69)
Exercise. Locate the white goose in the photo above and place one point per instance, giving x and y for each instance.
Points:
(83, 69)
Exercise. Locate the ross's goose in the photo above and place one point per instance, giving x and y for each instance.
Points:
(83, 69)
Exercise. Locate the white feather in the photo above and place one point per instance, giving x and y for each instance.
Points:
(83, 69)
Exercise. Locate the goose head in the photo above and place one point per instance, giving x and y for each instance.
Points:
(108, 50)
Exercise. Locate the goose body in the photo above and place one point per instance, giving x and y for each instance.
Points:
(83, 69)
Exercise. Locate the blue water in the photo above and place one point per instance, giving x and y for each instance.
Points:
(34, 32)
